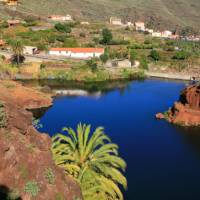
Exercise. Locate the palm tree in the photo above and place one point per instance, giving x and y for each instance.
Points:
(92, 160)
(17, 48)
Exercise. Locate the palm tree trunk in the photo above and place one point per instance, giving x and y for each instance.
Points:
(18, 59)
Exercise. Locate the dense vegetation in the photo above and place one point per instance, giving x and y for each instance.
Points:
(92, 160)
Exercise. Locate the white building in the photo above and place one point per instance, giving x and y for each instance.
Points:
(156, 34)
(85, 23)
(129, 24)
(79, 53)
(166, 34)
(30, 50)
(149, 30)
(61, 17)
(116, 21)
(140, 26)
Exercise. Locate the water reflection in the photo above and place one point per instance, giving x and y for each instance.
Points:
(191, 136)
(70, 88)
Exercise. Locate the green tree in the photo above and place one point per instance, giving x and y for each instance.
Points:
(92, 63)
(155, 55)
(107, 36)
(104, 57)
(64, 28)
(17, 48)
(92, 160)
(133, 56)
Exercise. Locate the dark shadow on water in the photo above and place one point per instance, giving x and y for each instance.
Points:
(7, 194)
(191, 136)
(39, 112)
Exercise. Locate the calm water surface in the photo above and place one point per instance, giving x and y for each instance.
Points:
(163, 161)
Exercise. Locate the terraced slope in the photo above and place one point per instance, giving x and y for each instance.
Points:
(158, 12)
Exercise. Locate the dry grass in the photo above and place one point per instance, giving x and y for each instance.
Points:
(170, 12)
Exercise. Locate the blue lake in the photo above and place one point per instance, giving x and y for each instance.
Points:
(163, 161)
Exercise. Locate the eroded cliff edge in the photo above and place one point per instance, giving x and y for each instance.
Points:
(25, 156)
(186, 111)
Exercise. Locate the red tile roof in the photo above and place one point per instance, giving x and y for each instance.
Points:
(80, 50)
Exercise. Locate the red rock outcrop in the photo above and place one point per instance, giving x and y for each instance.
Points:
(186, 112)
(25, 154)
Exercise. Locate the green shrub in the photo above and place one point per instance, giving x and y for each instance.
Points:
(133, 56)
(144, 64)
(147, 41)
(155, 55)
(42, 66)
(23, 170)
(13, 195)
(90, 44)
(107, 36)
(63, 28)
(42, 47)
(181, 55)
(82, 34)
(92, 63)
(119, 42)
(4, 24)
(32, 188)
(60, 38)
(51, 39)
(30, 22)
(36, 123)
(59, 197)
(70, 43)
(3, 118)
(49, 175)
(104, 57)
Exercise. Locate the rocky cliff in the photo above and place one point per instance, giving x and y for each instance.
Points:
(27, 170)
(186, 111)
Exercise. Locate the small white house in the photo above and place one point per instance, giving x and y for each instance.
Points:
(140, 26)
(30, 50)
(79, 53)
(129, 24)
(118, 63)
(149, 30)
(156, 34)
(116, 21)
(85, 23)
(166, 34)
(61, 17)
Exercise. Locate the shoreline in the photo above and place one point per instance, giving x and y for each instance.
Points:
(174, 76)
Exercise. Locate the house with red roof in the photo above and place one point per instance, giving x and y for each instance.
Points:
(79, 53)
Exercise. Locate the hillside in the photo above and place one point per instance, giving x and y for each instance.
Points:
(159, 13)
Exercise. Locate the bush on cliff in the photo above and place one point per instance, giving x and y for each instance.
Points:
(92, 160)
(3, 119)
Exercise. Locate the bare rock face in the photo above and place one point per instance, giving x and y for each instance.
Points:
(186, 112)
(160, 116)
(26, 165)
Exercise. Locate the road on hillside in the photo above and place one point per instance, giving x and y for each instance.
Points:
(33, 58)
